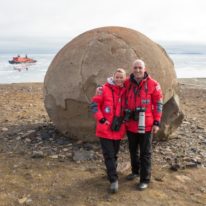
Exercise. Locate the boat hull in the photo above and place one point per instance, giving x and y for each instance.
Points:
(23, 62)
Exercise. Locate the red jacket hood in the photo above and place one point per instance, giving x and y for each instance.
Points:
(110, 83)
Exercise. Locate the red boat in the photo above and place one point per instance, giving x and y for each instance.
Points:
(21, 60)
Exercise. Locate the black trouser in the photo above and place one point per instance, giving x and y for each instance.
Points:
(110, 150)
(141, 164)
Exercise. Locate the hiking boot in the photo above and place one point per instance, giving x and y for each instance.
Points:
(142, 185)
(114, 187)
(132, 176)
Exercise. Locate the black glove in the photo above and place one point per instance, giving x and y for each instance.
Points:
(156, 123)
(102, 121)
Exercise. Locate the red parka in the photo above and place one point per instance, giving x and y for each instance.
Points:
(106, 105)
(146, 94)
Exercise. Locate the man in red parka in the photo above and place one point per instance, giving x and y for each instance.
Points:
(143, 112)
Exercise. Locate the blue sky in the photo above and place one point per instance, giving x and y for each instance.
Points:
(50, 24)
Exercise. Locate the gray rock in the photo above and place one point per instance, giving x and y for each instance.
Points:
(68, 155)
(37, 154)
(45, 135)
(159, 177)
(175, 167)
(27, 140)
(4, 129)
(191, 165)
(62, 158)
(65, 149)
(81, 155)
(62, 141)
(88, 146)
(18, 138)
(29, 134)
(54, 156)
(204, 142)
(202, 189)
(200, 127)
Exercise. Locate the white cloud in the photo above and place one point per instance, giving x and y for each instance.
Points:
(161, 20)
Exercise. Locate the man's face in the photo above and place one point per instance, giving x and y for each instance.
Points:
(138, 70)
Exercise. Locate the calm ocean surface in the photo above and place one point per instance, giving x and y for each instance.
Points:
(189, 60)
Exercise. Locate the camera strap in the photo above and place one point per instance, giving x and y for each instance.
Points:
(114, 103)
(137, 90)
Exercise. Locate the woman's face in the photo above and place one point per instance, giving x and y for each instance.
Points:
(119, 79)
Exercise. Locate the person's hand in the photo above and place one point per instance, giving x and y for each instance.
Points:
(155, 129)
(104, 121)
(99, 90)
(107, 122)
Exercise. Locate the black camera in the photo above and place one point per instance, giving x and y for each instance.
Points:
(137, 111)
(127, 114)
(116, 123)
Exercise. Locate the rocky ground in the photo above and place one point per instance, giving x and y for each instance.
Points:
(39, 166)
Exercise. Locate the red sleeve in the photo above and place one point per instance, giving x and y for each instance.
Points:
(96, 104)
(157, 102)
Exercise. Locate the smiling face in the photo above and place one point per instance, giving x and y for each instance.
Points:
(138, 69)
(119, 78)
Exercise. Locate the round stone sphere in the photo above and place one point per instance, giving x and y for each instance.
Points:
(86, 62)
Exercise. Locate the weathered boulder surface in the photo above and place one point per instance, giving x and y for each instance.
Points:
(87, 61)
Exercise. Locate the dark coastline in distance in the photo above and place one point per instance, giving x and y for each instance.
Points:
(192, 81)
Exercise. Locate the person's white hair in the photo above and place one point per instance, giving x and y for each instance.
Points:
(140, 62)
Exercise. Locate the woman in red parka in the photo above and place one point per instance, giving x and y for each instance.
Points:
(108, 108)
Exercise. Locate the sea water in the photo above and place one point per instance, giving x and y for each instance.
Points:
(189, 59)
(189, 62)
(17, 73)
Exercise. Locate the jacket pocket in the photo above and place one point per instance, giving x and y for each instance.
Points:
(102, 128)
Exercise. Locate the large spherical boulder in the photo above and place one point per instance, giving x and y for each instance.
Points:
(87, 61)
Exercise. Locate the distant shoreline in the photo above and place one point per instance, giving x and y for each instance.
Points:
(195, 81)
(200, 82)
